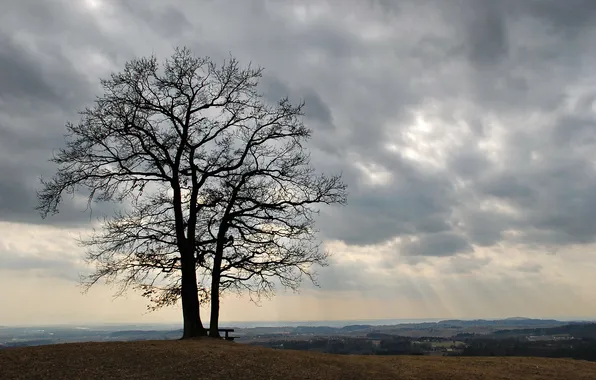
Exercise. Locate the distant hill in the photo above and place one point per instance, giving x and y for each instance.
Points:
(577, 330)
(356, 327)
(327, 330)
(514, 322)
(211, 359)
(517, 321)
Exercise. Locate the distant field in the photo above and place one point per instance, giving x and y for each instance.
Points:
(448, 344)
(208, 359)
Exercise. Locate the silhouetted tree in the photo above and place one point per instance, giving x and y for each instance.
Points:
(263, 224)
(205, 170)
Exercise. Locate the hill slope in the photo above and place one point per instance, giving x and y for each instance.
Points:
(208, 359)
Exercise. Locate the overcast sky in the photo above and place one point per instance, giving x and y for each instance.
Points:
(465, 129)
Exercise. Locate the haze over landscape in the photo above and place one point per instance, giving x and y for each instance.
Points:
(463, 129)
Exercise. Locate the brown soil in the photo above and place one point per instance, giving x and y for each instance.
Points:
(210, 359)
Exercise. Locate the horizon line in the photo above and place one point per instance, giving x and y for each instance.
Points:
(291, 323)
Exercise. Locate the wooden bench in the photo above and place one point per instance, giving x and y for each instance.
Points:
(226, 332)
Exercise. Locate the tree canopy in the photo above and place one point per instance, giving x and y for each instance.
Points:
(215, 184)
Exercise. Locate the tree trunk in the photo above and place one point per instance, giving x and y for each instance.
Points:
(215, 278)
(193, 327)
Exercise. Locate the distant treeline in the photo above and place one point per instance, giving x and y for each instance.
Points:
(578, 341)
(577, 330)
(348, 346)
(584, 349)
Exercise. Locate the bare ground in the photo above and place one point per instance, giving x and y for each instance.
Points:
(210, 359)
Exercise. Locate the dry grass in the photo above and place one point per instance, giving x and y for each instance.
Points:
(208, 359)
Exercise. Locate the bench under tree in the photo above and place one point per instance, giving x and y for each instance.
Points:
(226, 332)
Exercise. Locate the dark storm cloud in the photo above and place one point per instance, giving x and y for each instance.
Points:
(35, 102)
(487, 39)
(315, 108)
(21, 75)
(468, 164)
(168, 20)
(415, 203)
(491, 66)
(43, 84)
(485, 229)
(567, 17)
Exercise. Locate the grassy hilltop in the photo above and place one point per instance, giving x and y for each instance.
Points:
(211, 359)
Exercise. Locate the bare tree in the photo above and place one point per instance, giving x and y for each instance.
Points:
(263, 227)
(154, 138)
(257, 227)
(137, 248)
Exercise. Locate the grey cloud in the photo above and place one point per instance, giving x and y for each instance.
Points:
(439, 244)
(576, 130)
(494, 292)
(49, 88)
(343, 276)
(553, 194)
(168, 20)
(486, 31)
(354, 277)
(35, 102)
(513, 45)
(529, 267)
(465, 265)
(506, 61)
(508, 186)
(468, 164)
(566, 17)
(57, 268)
(315, 108)
(21, 75)
(485, 228)
(415, 203)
